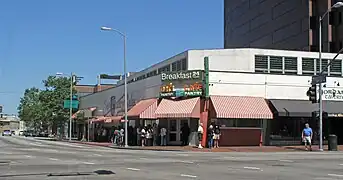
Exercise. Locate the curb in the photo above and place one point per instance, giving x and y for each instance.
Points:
(147, 149)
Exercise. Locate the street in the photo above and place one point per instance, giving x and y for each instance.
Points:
(29, 158)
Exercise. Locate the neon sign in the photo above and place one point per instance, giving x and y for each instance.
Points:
(169, 90)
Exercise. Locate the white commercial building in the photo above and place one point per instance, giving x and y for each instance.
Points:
(245, 75)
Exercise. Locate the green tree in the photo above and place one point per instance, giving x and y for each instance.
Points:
(45, 107)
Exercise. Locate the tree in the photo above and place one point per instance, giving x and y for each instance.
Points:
(45, 107)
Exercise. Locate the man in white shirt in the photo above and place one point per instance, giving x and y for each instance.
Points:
(200, 134)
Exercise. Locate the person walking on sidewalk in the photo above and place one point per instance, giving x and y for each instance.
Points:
(200, 134)
(306, 136)
(210, 134)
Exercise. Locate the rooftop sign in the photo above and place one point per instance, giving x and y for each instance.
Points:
(183, 75)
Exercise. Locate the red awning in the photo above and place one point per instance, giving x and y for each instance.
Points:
(98, 119)
(112, 119)
(144, 109)
(241, 107)
(188, 108)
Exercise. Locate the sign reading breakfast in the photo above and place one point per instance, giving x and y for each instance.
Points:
(182, 75)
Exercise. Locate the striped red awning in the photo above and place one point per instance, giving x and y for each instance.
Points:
(144, 109)
(112, 119)
(239, 107)
(188, 108)
(98, 119)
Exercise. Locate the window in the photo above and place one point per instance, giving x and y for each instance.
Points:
(184, 64)
(291, 65)
(152, 73)
(324, 64)
(308, 66)
(174, 66)
(164, 69)
(275, 64)
(261, 64)
(178, 65)
(336, 68)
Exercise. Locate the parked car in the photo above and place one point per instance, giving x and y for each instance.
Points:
(6, 133)
(21, 133)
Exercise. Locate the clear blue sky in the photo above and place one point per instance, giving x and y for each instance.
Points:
(39, 38)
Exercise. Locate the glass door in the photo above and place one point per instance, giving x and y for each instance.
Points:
(173, 131)
(182, 123)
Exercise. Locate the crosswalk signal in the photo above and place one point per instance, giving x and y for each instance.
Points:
(312, 93)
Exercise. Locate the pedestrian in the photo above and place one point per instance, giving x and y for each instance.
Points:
(210, 134)
(143, 136)
(216, 136)
(200, 134)
(155, 134)
(306, 136)
(163, 134)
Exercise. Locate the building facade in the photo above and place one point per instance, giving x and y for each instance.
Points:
(281, 24)
(256, 94)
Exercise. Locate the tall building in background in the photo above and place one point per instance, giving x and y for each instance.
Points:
(282, 24)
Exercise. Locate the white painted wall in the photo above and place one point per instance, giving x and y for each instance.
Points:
(138, 90)
(243, 59)
(263, 85)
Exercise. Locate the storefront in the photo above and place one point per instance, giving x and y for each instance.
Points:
(179, 107)
(243, 120)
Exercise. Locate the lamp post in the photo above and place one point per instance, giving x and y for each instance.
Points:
(71, 100)
(125, 79)
(337, 5)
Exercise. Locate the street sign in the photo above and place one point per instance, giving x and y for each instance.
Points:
(317, 79)
(74, 104)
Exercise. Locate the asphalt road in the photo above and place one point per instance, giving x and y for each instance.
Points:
(28, 158)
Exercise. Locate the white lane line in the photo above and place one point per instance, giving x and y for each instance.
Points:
(53, 159)
(284, 160)
(336, 175)
(188, 175)
(187, 162)
(90, 163)
(97, 154)
(28, 156)
(341, 164)
(143, 158)
(133, 169)
(252, 168)
(182, 154)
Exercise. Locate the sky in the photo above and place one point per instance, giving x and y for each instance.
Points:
(39, 38)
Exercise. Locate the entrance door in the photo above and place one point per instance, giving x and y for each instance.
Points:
(174, 127)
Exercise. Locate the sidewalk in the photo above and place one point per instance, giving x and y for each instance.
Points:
(221, 149)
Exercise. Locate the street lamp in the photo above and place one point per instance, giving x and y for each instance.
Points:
(125, 79)
(71, 76)
(337, 5)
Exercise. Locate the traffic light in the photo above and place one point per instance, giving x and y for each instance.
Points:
(312, 93)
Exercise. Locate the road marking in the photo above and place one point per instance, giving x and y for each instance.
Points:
(143, 158)
(252, 168)
(187, 175)
(28, 156)
(187, 162)
(133, 169)
(88, 163)
(341, 164)
(97, 154)
(283, 160)
(53, 159)
(335, 175)
(182, 154)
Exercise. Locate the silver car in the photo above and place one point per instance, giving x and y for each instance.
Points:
(6, 133)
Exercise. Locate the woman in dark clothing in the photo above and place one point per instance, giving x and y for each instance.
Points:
(216, 136)
(185, 131)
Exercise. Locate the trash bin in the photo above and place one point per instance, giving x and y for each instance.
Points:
(332, 142)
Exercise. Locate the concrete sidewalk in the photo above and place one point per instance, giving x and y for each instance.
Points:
(221, 149)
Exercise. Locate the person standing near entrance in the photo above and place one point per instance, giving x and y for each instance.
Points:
(307, 136)
(185, 131)
(200, 133)
(216, 136)
(163, 134)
